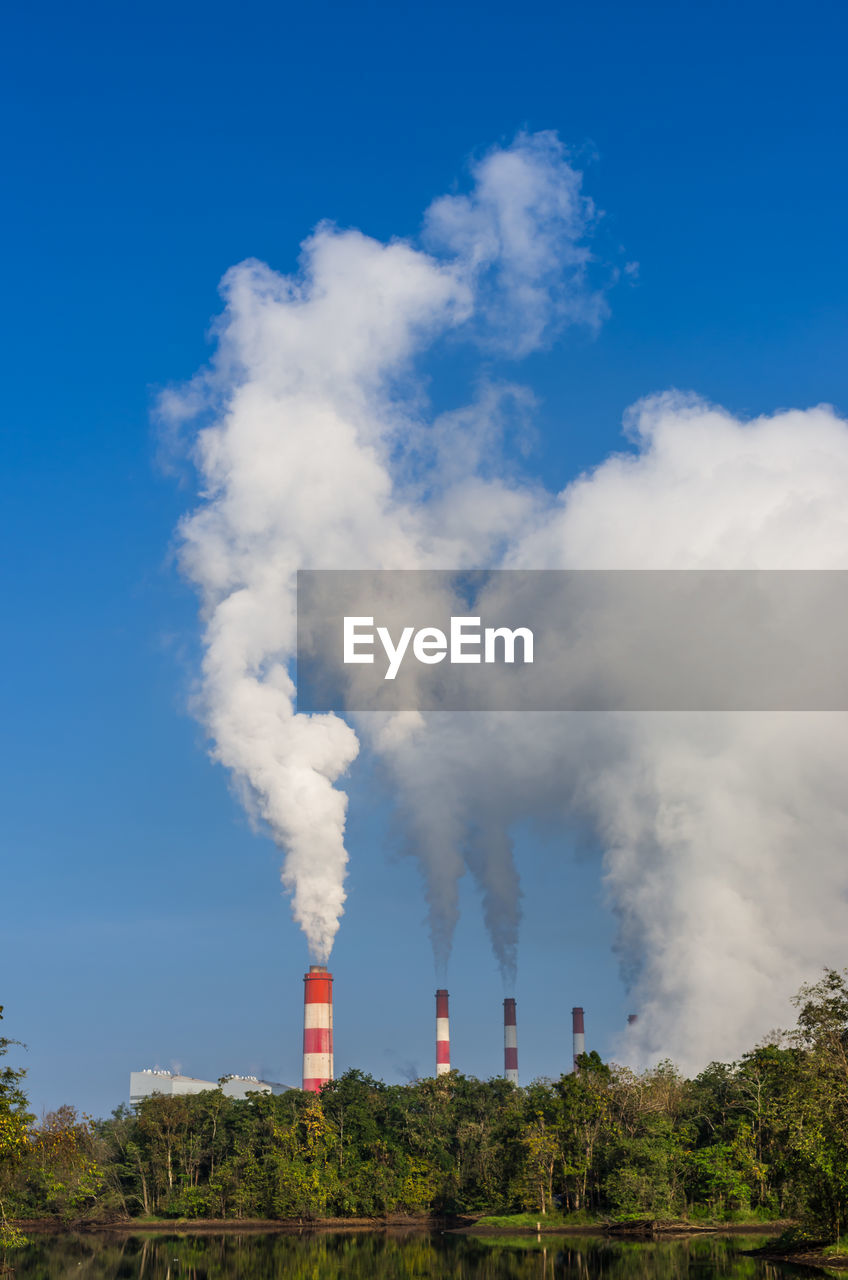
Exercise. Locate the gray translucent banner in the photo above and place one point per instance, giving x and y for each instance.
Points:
(571, 640)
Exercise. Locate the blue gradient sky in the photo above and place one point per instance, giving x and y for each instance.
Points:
(152, 147)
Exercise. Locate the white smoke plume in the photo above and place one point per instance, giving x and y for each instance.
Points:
(723, 835)
(522, 232)
(311, 409)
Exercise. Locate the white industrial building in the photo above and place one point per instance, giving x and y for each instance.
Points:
(143, 1084)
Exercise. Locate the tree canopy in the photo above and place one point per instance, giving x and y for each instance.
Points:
(764, 1136)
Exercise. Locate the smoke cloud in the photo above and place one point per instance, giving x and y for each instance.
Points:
(722, 835)
(314, 453)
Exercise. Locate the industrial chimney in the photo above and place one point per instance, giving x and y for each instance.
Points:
(317, 1027)
(442, 1033)
(510, 1042)
(578, 1034)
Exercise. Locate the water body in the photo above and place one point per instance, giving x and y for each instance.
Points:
(381, 1256)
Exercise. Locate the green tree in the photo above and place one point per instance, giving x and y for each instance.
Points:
(14, 1126)
(819, 1101)
(59, 1174)
(584, 1129)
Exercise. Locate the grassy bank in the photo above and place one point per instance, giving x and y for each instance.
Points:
(626, 1224)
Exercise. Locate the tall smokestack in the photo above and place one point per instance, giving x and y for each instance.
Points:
(578, 1034)
(317, 1027)
(442, 1033)
(510, 1042)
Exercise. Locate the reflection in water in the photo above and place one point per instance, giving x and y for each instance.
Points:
(379, 1256)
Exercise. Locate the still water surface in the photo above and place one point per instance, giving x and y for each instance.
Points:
(377, 1256)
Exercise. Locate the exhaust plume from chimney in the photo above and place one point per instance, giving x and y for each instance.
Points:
(443, 1064)
(510, 1042)
(316, 447)
(578, 1034)
(317, 1027)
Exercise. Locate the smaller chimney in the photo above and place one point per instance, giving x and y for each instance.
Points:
(578, 1034)
(510, 1042)
(443, 1064)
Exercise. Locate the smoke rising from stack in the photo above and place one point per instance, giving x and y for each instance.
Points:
(312, 452)
(722, 835)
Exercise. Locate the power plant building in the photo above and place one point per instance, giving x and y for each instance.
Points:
(143, 1084)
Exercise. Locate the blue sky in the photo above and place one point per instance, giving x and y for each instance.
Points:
(149, 150)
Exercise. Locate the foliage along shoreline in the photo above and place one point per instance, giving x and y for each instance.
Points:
(761, 1139)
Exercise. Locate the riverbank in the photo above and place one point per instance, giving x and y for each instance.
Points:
(805, 1254)
(819, 1259)
(228, 1226)
(644, 1229)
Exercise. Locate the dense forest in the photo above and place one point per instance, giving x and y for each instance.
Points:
(766, 1136)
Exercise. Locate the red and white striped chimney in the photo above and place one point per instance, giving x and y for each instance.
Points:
(317, 1027)
(442, 1033)
(510, 1042)
(578, 1034)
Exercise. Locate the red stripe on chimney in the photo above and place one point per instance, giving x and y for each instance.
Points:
(317, 1040)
